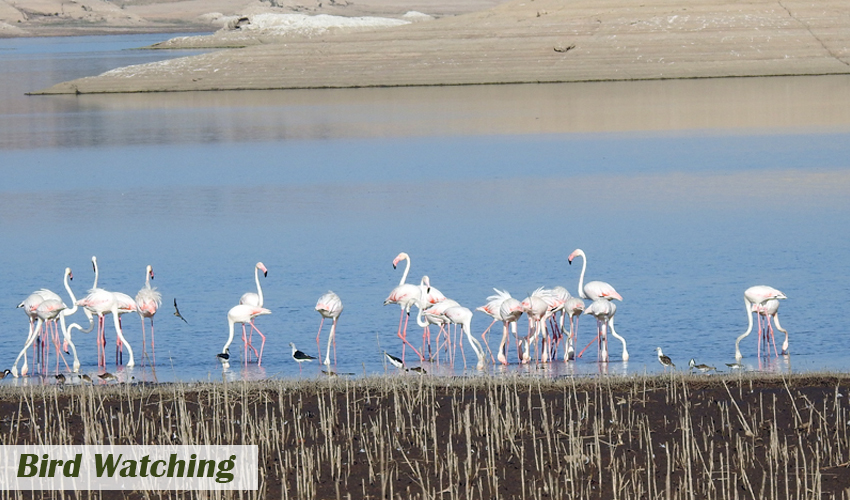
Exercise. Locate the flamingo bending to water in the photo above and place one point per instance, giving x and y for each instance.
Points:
(243, 313)
(753, 297)
(329, 306)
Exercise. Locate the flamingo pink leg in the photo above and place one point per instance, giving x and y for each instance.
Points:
(318, 343)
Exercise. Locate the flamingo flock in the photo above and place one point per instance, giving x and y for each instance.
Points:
(547, 310)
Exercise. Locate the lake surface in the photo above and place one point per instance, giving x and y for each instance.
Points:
(682, 193)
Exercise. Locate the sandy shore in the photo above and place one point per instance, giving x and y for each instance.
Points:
(522, 41)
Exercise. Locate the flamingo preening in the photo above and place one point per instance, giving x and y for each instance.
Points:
(754, 298)
(329, 305)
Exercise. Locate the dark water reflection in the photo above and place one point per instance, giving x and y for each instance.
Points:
(683, 194)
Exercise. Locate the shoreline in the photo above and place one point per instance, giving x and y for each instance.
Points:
(677, 434)
(516, 41)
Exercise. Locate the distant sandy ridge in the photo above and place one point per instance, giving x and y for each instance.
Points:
(524, 41)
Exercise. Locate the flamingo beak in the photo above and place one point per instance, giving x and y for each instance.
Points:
(265, 274)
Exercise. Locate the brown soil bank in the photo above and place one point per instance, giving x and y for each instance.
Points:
(672, 436)
(524, 41)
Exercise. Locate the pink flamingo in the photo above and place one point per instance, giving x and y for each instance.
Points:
(50, 310)
(538, 311)
(510, 311)
(30, 305)
(405, 295)
(329, 306)
(604, 310)
(435, 315)
(123, 304)
(243, 313)
(594, 289)
(148, 301)
(255, 299)
(493, 308)
(753, 297)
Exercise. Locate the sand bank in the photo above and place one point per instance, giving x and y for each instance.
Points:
(524, 41)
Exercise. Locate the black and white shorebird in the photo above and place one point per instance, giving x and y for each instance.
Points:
(664, 360)
(5, 372)
(300, 356)
(86, 378)
(398, 363)
(60, 379)
(177, 312)
(703, 368)
(106, 377)
(735, 366)
(224, 357)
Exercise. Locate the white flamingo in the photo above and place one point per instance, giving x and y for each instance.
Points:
(329, 305)
(593, 289)
(754, 297)
(148, 301)
(242, 313)
(255, 299)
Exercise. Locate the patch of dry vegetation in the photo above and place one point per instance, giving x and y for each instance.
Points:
(673, 436)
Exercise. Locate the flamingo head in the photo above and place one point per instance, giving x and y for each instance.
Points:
(400, 257)
(150, 271)
(94, 263)
(575, 254)
(261, 267)
(69, 273)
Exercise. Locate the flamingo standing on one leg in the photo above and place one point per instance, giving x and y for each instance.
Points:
(242, 313)
(754, 296)
(329, 306)
(255, 299)
(592, 290)
(405, 295)
(148, 301)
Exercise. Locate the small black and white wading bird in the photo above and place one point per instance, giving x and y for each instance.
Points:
(60, 379)
(86, 378)
(703, 368)
(300, 356)
(106, 377)
(395, 361)
(735, 366)
(5, 372)
(664, 360)
(177, 312)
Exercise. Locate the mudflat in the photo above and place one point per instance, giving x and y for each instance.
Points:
(518, 41)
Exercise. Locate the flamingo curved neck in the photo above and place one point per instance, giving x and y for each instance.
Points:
(406, 270)
(259, 288)
(420, 320)
(581, 277)
(148, 277)
(68, 312)
(747, 307)
(229, 338)
(94, 265)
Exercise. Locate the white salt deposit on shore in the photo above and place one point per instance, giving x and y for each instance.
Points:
(284, 24)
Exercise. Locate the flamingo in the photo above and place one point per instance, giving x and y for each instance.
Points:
(329, 306)
(573, 308)
(29, 305)
(405, 295)
(603, 310)
(462, 316)
(538, 311)
(755, 296)
(148, 301)
(770, 309)
(255, 299)
(510, 311)
(123, 304)
(435, 315)
(555, 298)
(48, 310)
(594, 289)
(493, 308)
(97, 302)
(243, 313)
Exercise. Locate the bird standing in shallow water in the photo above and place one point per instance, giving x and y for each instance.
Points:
(300, 356)
(664, 360)
(329, 305)
(394, 361)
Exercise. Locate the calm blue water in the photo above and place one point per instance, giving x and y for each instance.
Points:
(327, 187)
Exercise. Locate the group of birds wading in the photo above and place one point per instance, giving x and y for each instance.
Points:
(547, 310)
